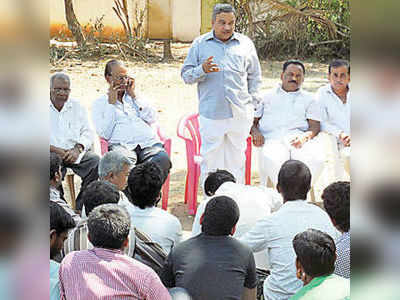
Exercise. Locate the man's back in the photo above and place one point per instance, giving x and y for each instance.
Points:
(211, 267)
(108, 274)
(275, 234)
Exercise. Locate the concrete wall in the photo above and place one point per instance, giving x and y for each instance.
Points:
(183, 17)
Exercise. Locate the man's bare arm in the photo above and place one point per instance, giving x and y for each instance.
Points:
(249, 294)
(258, 138)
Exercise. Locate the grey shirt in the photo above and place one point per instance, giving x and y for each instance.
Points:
(238, 81)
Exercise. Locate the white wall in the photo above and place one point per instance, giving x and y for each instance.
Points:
(186, 19)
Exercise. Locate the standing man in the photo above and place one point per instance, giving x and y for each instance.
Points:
(286, 126)
(70, 134)
(225, 66)
(335, 106)
(124, 120)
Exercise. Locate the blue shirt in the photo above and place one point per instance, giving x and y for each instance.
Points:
(238, 81)
(54, 281)
(342, 265)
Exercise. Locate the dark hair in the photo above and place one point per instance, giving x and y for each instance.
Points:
(293, 62)
(144, 184)
(222, 8)
(55, 163)
(316, 252)
(97, 193)
(109, 65)
(60, 220)
(108, 226)
(294, 180)
(336, 198)
(220, 216)
(339, 63)
(215, 180)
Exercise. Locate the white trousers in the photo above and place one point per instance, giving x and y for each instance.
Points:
(275, 152)
(223, 144)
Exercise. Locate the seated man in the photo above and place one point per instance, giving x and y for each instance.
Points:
(55, 182)
(105, 272)
(60, 223)
(97, 193)
(213, 265)
(315, 262)
(335, 105)
(254, 203)
(275, 233)
(144, 191)
(124, 120)
(70, 134)
(286, 124)
(337, 204)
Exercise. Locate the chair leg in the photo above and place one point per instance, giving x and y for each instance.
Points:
(165, 192)
(71, 186)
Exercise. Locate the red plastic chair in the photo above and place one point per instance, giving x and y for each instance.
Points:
(167, 146)
(188, 130)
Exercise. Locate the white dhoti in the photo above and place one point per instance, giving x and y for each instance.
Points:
(275, 152)
(223, 144)
(341, 157)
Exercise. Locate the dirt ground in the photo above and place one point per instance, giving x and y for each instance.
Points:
(161, 84)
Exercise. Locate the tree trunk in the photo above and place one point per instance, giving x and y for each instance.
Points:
(167, 51)
(73, 23)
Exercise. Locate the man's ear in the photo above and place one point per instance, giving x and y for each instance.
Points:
(53, 236)
(278, 188)
(333, 222)
(282, 76)
(88, 237)
(125, 243)
(233, 230)
(201, 219)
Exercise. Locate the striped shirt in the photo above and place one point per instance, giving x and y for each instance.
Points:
(78, 240)
(108, 274)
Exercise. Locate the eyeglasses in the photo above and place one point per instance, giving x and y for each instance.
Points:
(61, 90)
(121, 77)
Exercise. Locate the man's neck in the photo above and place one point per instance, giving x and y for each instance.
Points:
(342, 94)
(58, 104)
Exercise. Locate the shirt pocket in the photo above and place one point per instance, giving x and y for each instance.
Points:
(237, 63)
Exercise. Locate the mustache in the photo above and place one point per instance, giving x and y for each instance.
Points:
(293, 81)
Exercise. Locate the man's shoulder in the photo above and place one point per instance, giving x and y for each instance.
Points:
(170, 218)
(243, 38)
(202, 38)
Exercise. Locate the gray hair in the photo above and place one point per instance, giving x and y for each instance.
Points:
(108, 226)
(222, 8)
(113, 162)
(59, 75)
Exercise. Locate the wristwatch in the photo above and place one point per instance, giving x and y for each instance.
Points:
(79, 147)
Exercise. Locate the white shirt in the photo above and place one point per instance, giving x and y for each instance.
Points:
(255, 203)
(127, 123)
(275, 234)
(70, 126)
(285, 113)
(158, 224)
(335, 113)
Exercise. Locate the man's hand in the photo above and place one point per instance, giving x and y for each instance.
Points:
(209, 66)
(113, 93)
(298, 141)
(345, 139)
(130, 87)
(71, 155)
(258, 138)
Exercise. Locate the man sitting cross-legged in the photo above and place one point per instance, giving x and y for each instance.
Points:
(213, 265)
(105, 272)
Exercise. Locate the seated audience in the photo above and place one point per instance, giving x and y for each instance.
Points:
(97, 193)
(334, 99)
(70, 134)
(55, 182)
(124, 119)
(60, 223)
(213, 265)
(254, 203)
(337, 204)
(144, 191)
(315, 263)
(275, 233)
(105, 272)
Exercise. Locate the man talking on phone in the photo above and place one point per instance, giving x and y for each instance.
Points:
(224, 65)
(124, 119)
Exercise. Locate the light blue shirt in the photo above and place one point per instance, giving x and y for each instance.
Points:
(238, 81)
(54, 280)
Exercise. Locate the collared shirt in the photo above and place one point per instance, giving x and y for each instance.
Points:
(236, 84)
(342, 264)
(285, 113)
(54, 281)
(54, 196)
(335, 113)
(127, 123)
(108, 274)
(158, 224)
(78, 240)
(70, 126)
(275, 234)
